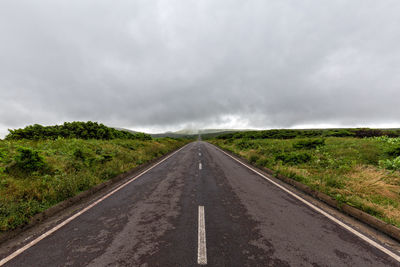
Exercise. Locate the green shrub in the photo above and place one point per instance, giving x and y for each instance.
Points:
(340, 133)
(387, 139)
(295, 133)
(79, 154)
(294, 176)
(393, 164)
(29, 160)
(366, 132)
(253, 158)
(108, 157)
(108, 173)
(309, 143)
(263, 162)
(293, 158)
(394, 151)
(246, 144)
(3, 156)
(334, 182)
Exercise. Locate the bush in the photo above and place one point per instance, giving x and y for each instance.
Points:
(340, 133)
(263, 162)
(394, 151)
(393, 164)
(309, 143)
(29, 160)
(293, 158)
(108, 157)
(3, 156)
(80, 155)
(365, 132)
(245, 144)
(253, 158)
(80, 130)
(334, 182)
(295, 133)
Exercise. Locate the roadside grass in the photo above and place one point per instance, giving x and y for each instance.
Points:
(348, 169)
(62, 168)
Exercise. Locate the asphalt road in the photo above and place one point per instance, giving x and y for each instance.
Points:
(156, 221)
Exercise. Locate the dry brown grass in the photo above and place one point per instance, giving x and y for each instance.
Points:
(367, 180)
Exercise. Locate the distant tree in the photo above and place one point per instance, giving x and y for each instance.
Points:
(366, 132)
(76, 129)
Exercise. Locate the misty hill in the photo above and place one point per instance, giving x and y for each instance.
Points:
(125, 130)
(200, 131)
(179, 134)
(192, 133)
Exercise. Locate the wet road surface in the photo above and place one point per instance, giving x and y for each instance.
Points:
(245, 221)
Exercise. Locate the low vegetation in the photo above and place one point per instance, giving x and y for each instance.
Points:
(38, 172)
(81, 130)
(290, 134)
(362, 172)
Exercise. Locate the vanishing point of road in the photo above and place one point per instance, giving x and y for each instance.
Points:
(200, 206)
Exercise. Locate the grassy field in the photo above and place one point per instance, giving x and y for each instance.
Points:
(362, 172)
(37, 174)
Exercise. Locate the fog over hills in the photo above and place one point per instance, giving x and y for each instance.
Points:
(194, 132)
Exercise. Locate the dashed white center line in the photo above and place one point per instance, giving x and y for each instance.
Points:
(199, 154)
(200, 166)
(202, 248)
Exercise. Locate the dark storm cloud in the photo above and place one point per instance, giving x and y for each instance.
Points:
(170, 64)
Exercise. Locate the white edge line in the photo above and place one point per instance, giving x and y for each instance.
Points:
(46, 234)
(355, 232)
(201, 244)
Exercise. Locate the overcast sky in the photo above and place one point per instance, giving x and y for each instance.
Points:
(166, 65)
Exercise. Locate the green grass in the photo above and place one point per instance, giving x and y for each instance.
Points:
(355, 171)
(35, 175)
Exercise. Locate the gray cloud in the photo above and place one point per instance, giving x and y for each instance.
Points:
(170, 64)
